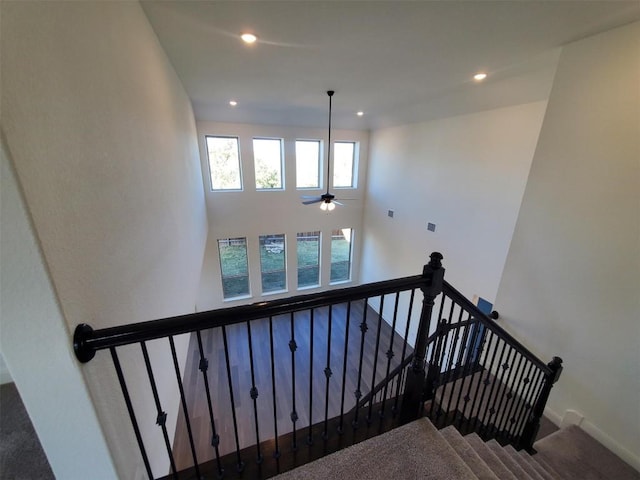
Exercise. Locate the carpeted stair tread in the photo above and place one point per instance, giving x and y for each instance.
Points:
(490, 458)
(540, 469)
(548, 468)
(468, 454)
(413, 451)
(522, 463)
(575, 455)
(509, 462)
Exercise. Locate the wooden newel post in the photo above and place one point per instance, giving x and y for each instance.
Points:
(530, 431)
(414, 390)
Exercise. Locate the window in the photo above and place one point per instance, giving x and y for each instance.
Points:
(224, 163)
(272, 263)
(341, 241)
(234, 267)
(267, 154)
(308, 249)
(307, 164)
(343, 164)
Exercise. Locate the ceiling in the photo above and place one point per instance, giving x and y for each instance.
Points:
(398, 62)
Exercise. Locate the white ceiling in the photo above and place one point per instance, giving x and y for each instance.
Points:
(399, 62)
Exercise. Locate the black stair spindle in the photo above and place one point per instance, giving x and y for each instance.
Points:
(239, 462)
(469, 368)
(450, 373)
(161, 418)
(507, 369)
(276, 451)
(526, 382)
(458, 365)
(489, 409)
(185, 410)
(215, 439)
(390, 353)
(375, 356)
(344, 367)
(311, 363)
(505, 424)
(253, 393)
(358, 393)
(294, 414)
(531, 400)
(327, 373)
(404, 350)
(486, 382)
(132, 415)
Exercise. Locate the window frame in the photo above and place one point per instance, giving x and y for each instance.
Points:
(240, 173)
(222, 275)
(319, 264)
(354, 165)
(319, 159)
(351, 243)
(282, 186)
(284, 262)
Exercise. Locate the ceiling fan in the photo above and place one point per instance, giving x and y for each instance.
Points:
(327, 200)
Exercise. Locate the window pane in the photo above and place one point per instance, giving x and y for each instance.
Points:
(267, 154)
(224, 163)
(234, 267)
(343, 155)
(308, 246)
(341, 254)
(307, 164)
(272, 263)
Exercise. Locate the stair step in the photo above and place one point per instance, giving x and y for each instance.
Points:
(544, 472)
(509, 462)
(522, 463)
(415, 450)
(576, 455)
(490, 458)
(468, 454)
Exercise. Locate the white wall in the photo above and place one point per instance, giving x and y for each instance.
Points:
(467, 175)
(103, 140)
(571, 285)
(32, 323)
(252, 213)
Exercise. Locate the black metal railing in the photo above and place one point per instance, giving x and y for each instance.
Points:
(252, 385)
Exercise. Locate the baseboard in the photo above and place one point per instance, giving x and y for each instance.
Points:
(572, 417)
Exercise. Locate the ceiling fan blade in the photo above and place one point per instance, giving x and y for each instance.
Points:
(338, 203)
(312, 201)
(309, 197)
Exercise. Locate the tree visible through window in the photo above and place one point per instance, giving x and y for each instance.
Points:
(234, 266)
(224, 163)
(273, 263)
(341, 241)
(308, 250)
(267, 155)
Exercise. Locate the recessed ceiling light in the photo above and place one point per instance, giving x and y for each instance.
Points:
(248, 38)
(360, 113)
(478, 77)
(233, 103)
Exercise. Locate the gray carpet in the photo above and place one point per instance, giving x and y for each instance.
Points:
(413, 451)
(21, 455)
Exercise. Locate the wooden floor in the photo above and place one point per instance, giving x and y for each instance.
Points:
(312, 355)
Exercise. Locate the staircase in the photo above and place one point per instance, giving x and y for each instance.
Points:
(419, 450)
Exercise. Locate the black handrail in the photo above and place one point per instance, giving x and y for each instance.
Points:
(500, 332)
(86, 340)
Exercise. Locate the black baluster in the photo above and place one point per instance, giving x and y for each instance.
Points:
(375, 357)
(527, 382)
(390, 354)
(276, 452)
(215, 439)
(450, 374)
(458, 369)
(506, 367)
(511, 396)
(487, 409)
(530, 403)
(310, 432)
(344, 367)
(468, 370)
(294, 414)
(327, 374)
(358, 393)
(486, 382)
(161, 418)
(253, 393)
(435, 368)
(240, 463)
(184, 406)
(132, 415)
(404, 351)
